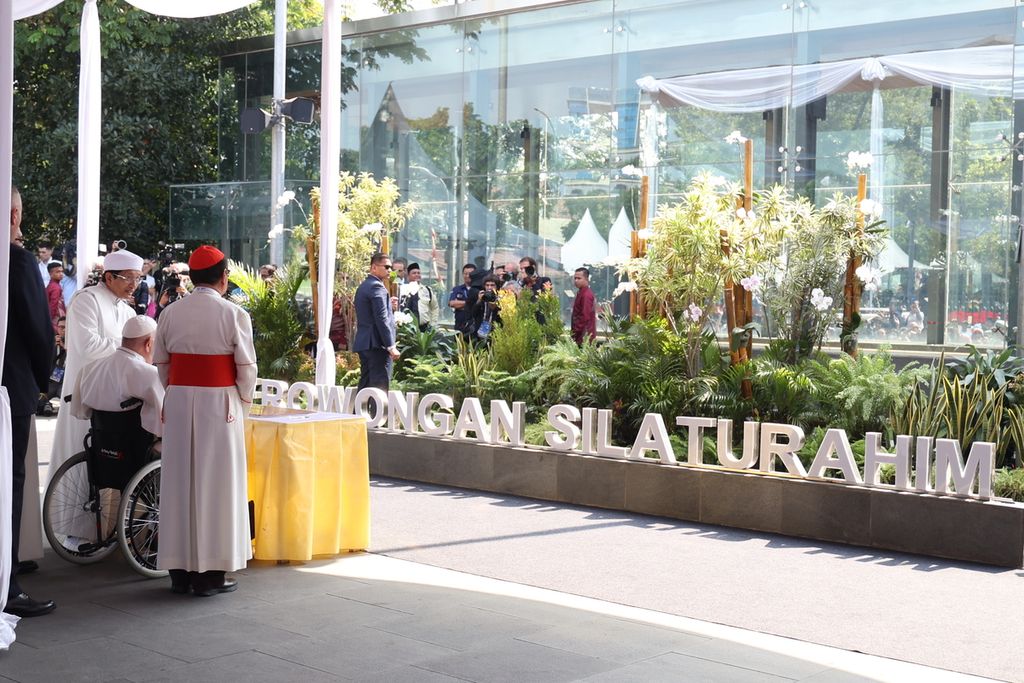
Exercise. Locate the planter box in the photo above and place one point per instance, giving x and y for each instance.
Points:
(989, 532)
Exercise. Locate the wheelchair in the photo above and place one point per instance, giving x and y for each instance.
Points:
(108, 494)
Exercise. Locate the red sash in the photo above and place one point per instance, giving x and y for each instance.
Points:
(201, 370)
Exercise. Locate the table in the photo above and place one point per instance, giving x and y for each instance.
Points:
(309, 480)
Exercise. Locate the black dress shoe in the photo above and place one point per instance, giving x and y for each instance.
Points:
(27, 567)
(226, 587)
(21, 605)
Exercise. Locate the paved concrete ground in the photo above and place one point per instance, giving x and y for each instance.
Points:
(390, 616)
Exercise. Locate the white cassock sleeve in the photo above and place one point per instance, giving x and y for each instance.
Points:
(161, 359)
(245, 358)
(143, 382)
(85, 334)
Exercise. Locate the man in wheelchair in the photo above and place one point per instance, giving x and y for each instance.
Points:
(110, 384)
(121, 396)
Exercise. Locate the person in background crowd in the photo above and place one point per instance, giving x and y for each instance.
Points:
(140, 297)
(151, 306)
(915, 317)
(94, 322)
(375, 340)
(149, 266)
(267, 272)
(459, 296)
(399, 268)
(54, 294)
(44, 256)
(530, 278)
(69, 283)
(419, 299)
(51, 404)
(584, 312)
(484, 313)
(337, 332)
(26, 369)
(205, 356)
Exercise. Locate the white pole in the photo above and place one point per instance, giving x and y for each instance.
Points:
(330, 160)
(277, 130)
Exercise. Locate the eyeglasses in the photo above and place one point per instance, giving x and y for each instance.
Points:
(135, 280)
(386, 266)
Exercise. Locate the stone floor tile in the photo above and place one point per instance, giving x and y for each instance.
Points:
(460, 627)
(364, 653)
(677, 668)
(614, 639)
(515, 661)
(72, 622)
(83, 661)
(250, 667)
(407, 674)
(837, 676)
(750, 657)
(206, 637)
(322, 616)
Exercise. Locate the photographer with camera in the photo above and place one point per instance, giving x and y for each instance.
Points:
(484, 313)
(459, 299)
(175, 277)
(529, 280)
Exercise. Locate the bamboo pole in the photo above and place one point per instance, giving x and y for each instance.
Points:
(311, 260)
(641, 245)
(852, 287)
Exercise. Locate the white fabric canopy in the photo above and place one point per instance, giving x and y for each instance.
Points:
(330, 156)
(189, 9)
(620, 244)
(987, 70)
(585, 246)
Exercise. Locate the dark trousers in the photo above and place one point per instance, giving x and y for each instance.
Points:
(199, 581)
(374, 369)
(21, 425)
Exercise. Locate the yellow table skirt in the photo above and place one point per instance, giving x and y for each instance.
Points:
(310, 482)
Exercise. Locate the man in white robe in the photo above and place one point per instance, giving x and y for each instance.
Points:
(204, 353)
(95, 319)
(125, 374)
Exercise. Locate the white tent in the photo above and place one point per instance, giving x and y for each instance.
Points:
(893, 257)
(585, 246)
(620, 244)
(89, 126)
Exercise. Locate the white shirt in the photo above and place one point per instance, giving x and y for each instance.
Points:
(108, 382)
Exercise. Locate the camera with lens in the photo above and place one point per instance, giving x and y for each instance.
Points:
(118, 245)
(490, 296)
(530, 271)
(508, 277)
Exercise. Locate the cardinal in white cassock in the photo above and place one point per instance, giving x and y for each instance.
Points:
(206, 360)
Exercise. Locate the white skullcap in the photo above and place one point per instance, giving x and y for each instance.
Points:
(139, 326)
(122, 260)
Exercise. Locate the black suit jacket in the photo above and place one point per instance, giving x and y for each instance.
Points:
(375, 322)
(29, 352)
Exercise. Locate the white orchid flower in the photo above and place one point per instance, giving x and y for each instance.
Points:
(624, 287)
(276, 231)
(751, 283)
(286, 198)
(402, 318)
(645, 234)
(735, 138)
(871, 208)
(858, 160)
(370, 228)
(694, 312)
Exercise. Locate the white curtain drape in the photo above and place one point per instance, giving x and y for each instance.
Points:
(90, 123)
(330, 155)
(28, 8)
(188, 9)
(985, 70)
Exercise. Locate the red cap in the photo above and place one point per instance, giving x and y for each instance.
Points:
(205, 257)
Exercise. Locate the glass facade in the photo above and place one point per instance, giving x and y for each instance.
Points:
(507, 129)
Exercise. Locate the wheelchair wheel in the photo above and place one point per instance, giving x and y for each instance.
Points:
(138, 527)
(78, 519)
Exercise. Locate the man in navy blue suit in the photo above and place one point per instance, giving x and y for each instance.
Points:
(375, 340)
(26, 374)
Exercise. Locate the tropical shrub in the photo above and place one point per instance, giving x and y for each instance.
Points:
(278, 328)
